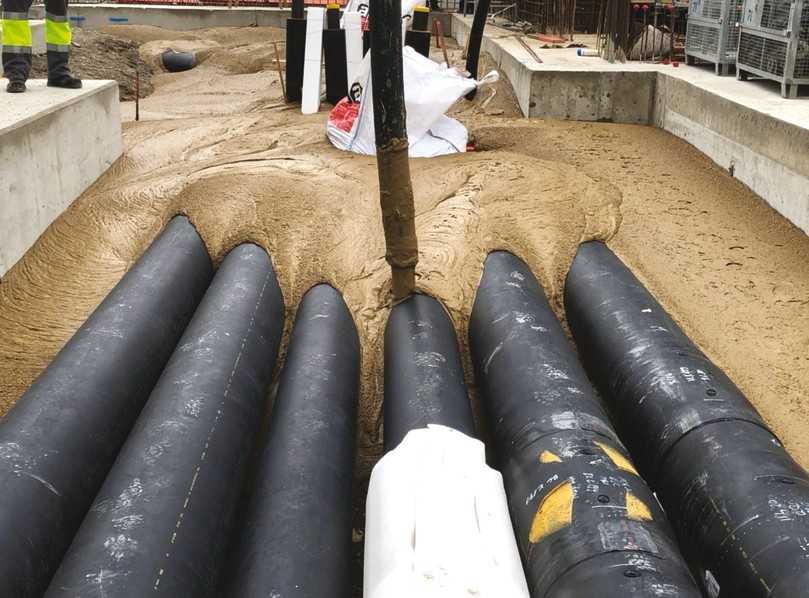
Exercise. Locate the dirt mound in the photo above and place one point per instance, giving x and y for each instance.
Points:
(97, 55)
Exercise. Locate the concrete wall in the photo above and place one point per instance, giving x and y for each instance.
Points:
(53, 146)
(179, 18)
(748, 129)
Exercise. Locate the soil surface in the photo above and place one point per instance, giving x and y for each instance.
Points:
(217, 143)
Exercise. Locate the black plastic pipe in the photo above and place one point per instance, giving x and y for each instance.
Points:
(739, 503)
(176, 62)
(296, 537)
(424, 381)
(586, 523)
(60, 439)
(161, 522)
(475, 41)
(334, 51)
(295, 50)
(418, 36)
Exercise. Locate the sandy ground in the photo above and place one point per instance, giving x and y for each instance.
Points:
(219, 145)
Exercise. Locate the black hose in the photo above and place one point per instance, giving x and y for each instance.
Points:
(586, 524)
(161, 522)
(62, 436)
(424, 381)
(296, 537)
(175, 62)
(739, 503)
(475, 41)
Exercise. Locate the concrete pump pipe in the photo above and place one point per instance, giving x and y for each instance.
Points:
(60, 439)
(476, 41)
(295, 48)
(424, 381)
(160, 524)
(738, 502)
(296, 535)
(586, 523)
(437, 521)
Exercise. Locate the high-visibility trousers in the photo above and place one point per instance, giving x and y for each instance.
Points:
(17, 38)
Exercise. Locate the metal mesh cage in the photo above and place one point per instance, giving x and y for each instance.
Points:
(761, 53)
(707, 9)
(802, 54)
(701, 38)
(775, 14)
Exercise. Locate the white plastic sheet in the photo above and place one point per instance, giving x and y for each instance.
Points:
(437, 523)
(430, 90)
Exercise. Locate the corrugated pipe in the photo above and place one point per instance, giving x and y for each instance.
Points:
(739, 503)
(296, 535)
(586, 523)
(161, 522)
(60, 439)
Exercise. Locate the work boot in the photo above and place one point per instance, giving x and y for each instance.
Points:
(65, 81)
(15, 86)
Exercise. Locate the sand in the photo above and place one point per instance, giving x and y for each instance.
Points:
(218, 144)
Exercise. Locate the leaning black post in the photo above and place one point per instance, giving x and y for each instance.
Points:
(295, 47)
(475, 40)
(395, 190)
(334, 51)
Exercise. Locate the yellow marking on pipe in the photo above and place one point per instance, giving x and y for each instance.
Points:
(548, 457)
(636, 509)
(617, 458)
(554, 512)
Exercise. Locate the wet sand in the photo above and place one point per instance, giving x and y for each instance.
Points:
(218, 144)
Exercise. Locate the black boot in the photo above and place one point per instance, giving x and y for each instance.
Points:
(15, 86)
(59, 73)
(65, 81)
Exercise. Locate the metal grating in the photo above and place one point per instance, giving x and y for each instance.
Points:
(775, 14)
(802, 54)
(707, 9)
(701, 38)
(765, 54)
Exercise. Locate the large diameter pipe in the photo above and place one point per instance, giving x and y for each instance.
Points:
(393, 165)
(424, 382)
(738, 502)
(475, 41)
(296, 537)
(161, 522)
(586, 523)
(62, 436)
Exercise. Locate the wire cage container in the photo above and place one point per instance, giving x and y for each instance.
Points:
(712, 33)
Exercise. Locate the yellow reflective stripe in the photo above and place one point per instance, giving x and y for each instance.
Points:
(16, 33)
(554, 512)
(548, 457)
(636, 509)
(617, 458)
(57, 34)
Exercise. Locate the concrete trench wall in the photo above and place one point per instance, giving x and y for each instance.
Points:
(56, 146)
(768, 154)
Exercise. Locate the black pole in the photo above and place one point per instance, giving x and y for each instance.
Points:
(738, 502)
(475, 41)
(334, 50)
(586, 524)
(296, 536)
(424, 381)
(295, 49)
(60, 439)
(418, 36)
(161, 522)
(393, 166)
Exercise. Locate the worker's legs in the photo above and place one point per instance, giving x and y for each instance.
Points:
(16, 42)
(57, 41)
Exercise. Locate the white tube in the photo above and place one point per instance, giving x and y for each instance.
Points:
(437, 523)
(353, 28)
(312, 59)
